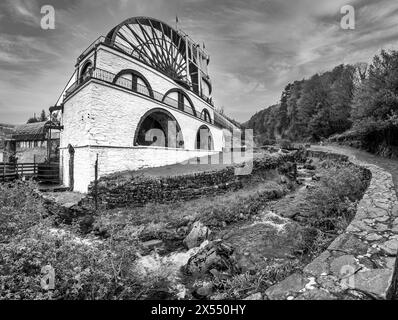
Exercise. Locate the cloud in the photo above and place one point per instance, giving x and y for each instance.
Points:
(256, 46)
(24, 11)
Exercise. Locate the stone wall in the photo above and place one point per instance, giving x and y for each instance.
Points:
(127, 190)
(360, 263)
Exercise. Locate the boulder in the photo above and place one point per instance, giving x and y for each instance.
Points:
(214, 256)
(254, 296)
(152, 244)
(204, 291)
(291, 285)
(374, 282)
(390, 247)
(198, 234)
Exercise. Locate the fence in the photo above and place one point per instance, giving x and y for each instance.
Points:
(43, 172)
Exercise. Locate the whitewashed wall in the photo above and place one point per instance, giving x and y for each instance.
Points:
(103, 119)
(114, 62)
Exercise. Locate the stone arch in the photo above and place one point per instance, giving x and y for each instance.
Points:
(180, 104)
(134, 83)
(204, 139)
(86, 70)
(205, 115)
(158, 127)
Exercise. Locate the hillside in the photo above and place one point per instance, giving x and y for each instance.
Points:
(356, 105)
(309, 110)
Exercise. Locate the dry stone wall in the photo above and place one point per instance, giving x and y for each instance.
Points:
(122, 190)
(361, 262)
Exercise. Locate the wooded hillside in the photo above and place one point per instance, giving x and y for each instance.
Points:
(352, 104)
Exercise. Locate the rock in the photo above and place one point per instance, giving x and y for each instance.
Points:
(373, 237)
(330, 283)
(395, 210)
(382, 219)
(348, 243)
(381, 227)
(198, 234)
(375, 212)
(389, 262)
(283, 179)
(390, 247)
(216, 255)
(206, 290)
(316, 178)
(319, 265)
(254, 296)
(316, 294)
(375, 282)
(292, 284)
(343, 266)
(151, 244)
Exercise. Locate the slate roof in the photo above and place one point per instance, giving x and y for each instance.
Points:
(30, 131)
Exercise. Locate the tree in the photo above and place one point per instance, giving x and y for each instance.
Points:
(43, 116)
(283, 118)
(376, 98)
(32, 119)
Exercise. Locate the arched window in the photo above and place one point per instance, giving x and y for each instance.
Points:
(205, 115)
(85, 72)
(134, 80)
(159, 128)
(204, 139)
(177, 98)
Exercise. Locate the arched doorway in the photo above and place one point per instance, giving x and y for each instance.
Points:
(159, 128)
(86, 71)
(71, 151)
(204, 139)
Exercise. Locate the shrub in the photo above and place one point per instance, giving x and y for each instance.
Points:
(20, 209)
(239, 286)
(84, 268)
(285, 144)
(331, 205)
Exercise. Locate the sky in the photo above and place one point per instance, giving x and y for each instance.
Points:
(256, 46)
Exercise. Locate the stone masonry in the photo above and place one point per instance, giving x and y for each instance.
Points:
(361, 262)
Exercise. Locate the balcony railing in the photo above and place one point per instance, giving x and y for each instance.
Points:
(125, 83)
(129, 51)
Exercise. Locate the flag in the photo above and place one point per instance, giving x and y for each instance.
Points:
(204, 47)
(176, 19)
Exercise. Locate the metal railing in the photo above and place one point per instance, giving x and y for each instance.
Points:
(125, 83)
(133, 53)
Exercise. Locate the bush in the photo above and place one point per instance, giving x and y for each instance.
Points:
(239, 286)
(285, 144)
(84, 268)
(20, 209)
(332, 204)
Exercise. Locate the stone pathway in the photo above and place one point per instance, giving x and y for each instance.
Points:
(360, 263)
(65, 199)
